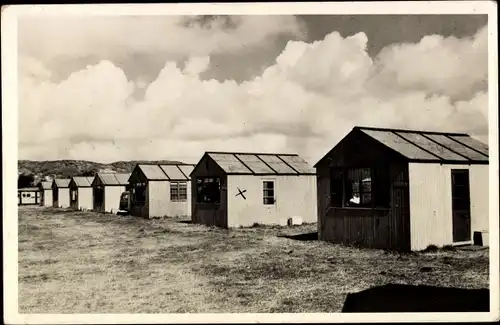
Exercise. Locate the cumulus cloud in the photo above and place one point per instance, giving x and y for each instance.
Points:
(305, 102)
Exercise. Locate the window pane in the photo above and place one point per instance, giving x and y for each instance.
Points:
(358, 187)
(268, 192)
(268, 185)
(208, 190)
(268, 200)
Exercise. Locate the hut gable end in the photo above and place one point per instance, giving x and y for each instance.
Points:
(207, 167)
(357, 149)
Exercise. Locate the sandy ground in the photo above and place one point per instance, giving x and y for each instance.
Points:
(83, 262)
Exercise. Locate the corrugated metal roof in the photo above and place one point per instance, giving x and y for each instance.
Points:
(458, 147)
(175, 172)
(255, 164)
(113, 179)
(277, 164)
(398, 144)
(62, 182)
(261, 163)
(83, 181)
(186, 169)
(472, 143)
(122, 179)
(229, 163)
(299, 164)
(153, 172)
(46, 185)
(431, 146)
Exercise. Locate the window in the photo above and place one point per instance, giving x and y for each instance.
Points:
(178, 191)
(360, 187)
(268, 192)
(28, 194)
(208, 190)
(73, 195)
(24, 194)
(139, 193)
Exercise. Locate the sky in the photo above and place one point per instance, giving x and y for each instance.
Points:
(112, 88)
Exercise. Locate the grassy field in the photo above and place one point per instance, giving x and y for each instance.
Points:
(82, 262)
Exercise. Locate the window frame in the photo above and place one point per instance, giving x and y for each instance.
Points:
(134, 187)
(201, 180)
(175, 191)
(341, 174)
(264, 189)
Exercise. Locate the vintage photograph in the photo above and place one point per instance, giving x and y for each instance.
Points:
(253, 163)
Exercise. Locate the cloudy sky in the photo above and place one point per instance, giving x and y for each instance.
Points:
(171, 87)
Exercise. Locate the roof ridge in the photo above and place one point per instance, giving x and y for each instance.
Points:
(252, 153)
(409, 131)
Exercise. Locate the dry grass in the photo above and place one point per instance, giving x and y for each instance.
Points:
(82, 262)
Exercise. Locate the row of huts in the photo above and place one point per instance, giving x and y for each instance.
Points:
(379, 188)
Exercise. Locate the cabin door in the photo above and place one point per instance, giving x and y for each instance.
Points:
(460, 197)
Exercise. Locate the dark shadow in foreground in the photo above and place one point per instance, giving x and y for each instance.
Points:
(185, 221)
(401, 298)
(302, 237)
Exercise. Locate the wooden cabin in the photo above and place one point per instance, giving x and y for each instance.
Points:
(242, 189)
(80, 189)
(28, 196)
(107, 189)
(60, 193)
(45, 194)
(403, 189)
(160, 190)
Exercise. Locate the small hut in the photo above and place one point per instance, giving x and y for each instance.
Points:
(28, 196)
(80, 188)
(403, 189)
(161, 190)
(241, 189)
(45, 193)
(60, 193)
(107, 189)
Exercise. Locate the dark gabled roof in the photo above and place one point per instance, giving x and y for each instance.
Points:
(244, 163)
(166, 172)
(429, 146)
(62, 182)
(83, 181)
(112, 179)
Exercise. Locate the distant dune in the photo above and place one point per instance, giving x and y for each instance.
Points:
(68, 168)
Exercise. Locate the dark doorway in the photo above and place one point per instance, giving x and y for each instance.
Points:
(460, 197)
(98, 198)
(55, 197)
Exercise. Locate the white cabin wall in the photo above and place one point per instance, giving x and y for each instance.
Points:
(47, 198)
(180, 208)
(63, 199)
(479, 197)
(158, 198)
(430, 202)
(112, 198)
(28, 200)
(295, 198)
(85, 199)
(160, 204)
